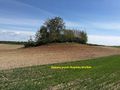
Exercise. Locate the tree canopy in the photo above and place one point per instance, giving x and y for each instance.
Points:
(53, 30)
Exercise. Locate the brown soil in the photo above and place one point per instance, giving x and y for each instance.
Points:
(13, 56)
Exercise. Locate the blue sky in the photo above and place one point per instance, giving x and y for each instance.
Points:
(20, 19)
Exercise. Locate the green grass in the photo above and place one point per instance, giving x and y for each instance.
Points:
(105, 75)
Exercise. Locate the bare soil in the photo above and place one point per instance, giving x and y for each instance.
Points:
(14, 56)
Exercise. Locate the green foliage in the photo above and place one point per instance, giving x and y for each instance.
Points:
(68, 35)
(53, 30)
(82, 36)
(54, 26)
(30, 43)
(74, 36)
(42, 36)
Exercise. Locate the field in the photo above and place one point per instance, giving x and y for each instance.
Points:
(30, 68)
(104, 75)
(8, 47)
(13, 56)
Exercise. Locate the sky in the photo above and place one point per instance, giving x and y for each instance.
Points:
(20, 19)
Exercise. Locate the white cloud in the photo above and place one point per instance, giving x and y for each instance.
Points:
(6, 35)
(21, 22)
(104, 40)
(105, 25)
(72, 24)
(95, 25)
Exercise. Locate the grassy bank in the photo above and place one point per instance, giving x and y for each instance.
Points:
(104, 75)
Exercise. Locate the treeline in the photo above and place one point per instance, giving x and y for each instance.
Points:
(54, 31)
(13, 42)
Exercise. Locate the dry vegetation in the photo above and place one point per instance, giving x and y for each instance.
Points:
(4, 47)
(12, 56)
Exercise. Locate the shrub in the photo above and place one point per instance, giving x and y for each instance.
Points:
(83, 37)
(30, 43)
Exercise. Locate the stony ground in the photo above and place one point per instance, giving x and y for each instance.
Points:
(13, 56)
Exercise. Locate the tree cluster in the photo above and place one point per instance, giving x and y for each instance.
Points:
(53, 31)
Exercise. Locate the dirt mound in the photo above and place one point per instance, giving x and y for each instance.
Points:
(48, 54)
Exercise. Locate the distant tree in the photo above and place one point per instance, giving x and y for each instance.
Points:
(54, 27)
(53, 30)
(42, 36)
(68, 35)
(38, 36)
(30, 43)
(83, 37)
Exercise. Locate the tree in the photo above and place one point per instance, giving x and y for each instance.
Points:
(54, 27)
(83, 37)
(53, 30)
(42, 36)
(30, 43)
(68, 35)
